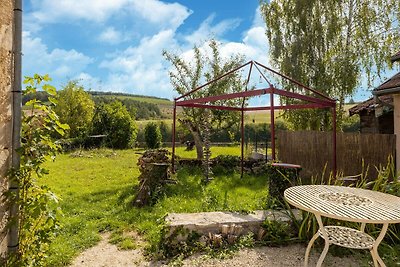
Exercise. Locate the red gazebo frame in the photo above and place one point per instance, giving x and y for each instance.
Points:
(322, 101)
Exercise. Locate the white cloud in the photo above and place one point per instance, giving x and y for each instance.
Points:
(88, 81)
(92, 10)
(207, 30)
(141, 69)
(169, 15)
(59, 63)
(111, 36)
(158, 13)
(138, 68)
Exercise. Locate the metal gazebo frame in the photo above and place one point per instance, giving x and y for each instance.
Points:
(206, 102)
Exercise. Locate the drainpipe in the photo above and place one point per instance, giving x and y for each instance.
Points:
(16, 119)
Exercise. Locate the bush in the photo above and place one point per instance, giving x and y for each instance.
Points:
(75, 107)
(114, 121)
(152, 135)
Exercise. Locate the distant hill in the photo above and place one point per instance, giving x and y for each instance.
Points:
(142, 107)
(141, 98)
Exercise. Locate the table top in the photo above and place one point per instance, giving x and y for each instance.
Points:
(345, 203)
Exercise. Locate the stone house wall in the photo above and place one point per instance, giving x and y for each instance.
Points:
(6, 20)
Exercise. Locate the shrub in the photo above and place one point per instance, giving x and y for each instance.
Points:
(75, 107)
(114, 121)
(152, 135)
(37, 206)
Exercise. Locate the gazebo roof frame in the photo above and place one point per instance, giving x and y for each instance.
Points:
(322, 101)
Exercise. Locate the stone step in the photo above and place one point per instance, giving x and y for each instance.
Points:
(204, 223)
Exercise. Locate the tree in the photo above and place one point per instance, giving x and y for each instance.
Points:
(75, 108)
(328, 45)
(152, 135)
(114, 121)
(186, 76)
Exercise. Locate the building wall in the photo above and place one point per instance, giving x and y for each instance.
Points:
(396, 119)
(368, 122)
(6, 12)
(371, 124)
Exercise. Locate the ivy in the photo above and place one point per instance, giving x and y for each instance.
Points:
(37, 206)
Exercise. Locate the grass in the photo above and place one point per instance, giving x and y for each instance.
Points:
(217, 151)
(97, 188)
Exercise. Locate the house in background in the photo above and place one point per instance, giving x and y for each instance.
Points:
(376, 115)
(392, 88)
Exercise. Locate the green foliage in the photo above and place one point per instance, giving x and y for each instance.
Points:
(328, 45)
(152, 135)
(277, 232)
(113, 120)
(38, 212)
(76, 108)
(226, 163)
(351, 124)
(186, 76)
(138, 110)
(141, 98)
(280, 179)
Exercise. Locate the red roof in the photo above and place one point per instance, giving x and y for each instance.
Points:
(393, 82)
(370, 104)
(395, 57)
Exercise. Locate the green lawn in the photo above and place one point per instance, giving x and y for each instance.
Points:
(97, 188)
(215, 151)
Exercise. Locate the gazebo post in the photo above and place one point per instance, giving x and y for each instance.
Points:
(272, 124)
(173, 138)
(242, 142)
(334, 140)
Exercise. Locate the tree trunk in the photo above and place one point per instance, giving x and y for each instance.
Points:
(195, 131)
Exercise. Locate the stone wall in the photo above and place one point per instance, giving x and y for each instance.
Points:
(6, 12)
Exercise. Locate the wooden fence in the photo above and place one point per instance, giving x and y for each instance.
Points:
(313, 150)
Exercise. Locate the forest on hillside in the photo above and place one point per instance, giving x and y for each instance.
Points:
(140, 110)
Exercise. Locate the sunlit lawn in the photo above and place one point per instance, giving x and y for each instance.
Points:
(97, 189)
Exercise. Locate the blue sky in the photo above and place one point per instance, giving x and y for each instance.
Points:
(116, 45)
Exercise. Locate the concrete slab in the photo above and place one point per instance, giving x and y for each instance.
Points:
(212, 222)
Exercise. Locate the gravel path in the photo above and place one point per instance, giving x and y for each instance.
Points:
(105, 254)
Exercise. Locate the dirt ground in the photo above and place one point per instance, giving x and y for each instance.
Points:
(105, 254)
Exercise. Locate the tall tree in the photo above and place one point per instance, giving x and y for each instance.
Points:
(75, 108)
(329, 45)
(186, 76)
(114, 121)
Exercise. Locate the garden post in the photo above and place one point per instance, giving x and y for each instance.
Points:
(173, 138)
(272, 123)
(16, 120)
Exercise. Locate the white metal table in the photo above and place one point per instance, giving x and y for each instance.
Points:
(347, 204)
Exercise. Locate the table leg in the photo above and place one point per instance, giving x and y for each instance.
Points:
(374, 251)
(310, 244)
(362, 229)
(325, 236)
